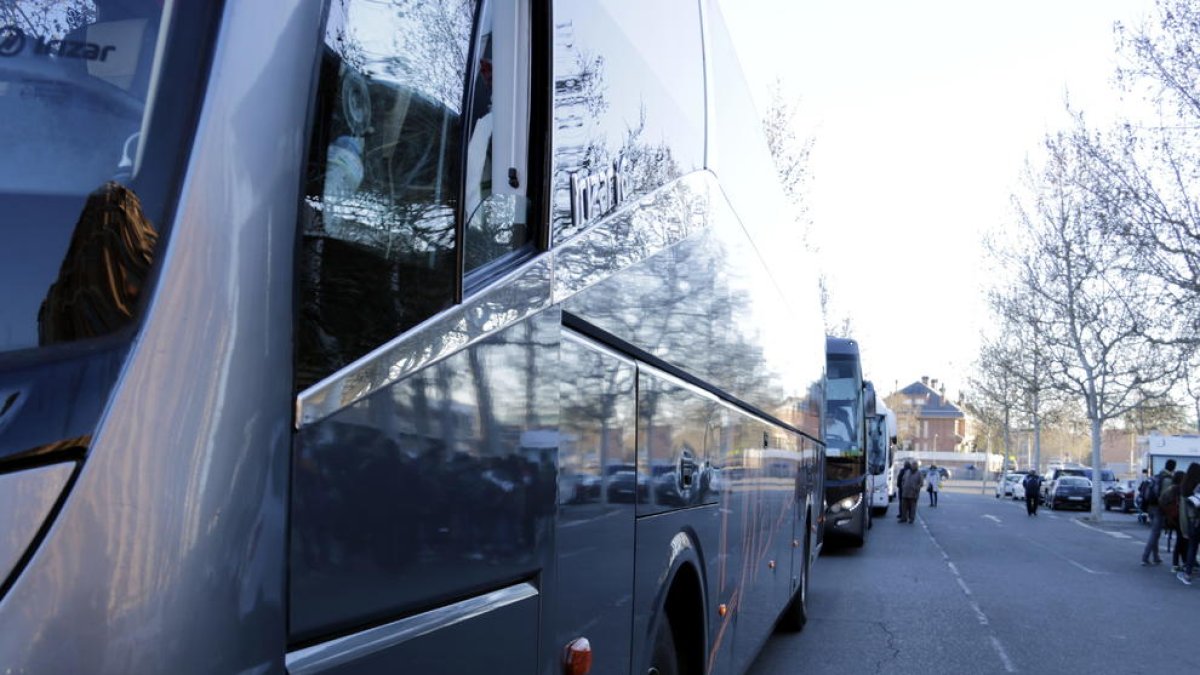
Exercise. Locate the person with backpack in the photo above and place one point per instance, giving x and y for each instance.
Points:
(1157, 517)
(1189, 521)
(1033, 489)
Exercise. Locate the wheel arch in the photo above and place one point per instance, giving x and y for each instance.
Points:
(682, 600)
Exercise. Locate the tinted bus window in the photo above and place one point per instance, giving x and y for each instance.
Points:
(384, 178)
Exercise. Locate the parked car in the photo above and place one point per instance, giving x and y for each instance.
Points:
(1049, 480)
(1018, 489)
(1070, 491)
(1108, 479)
(1122, 496)
(626, 485)
(1004, 488)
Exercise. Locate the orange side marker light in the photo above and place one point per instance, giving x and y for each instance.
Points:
(577, 657)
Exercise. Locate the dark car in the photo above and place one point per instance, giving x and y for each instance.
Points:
(625, 484)
(1071, 491)
(1122, 496)
(1055, 474)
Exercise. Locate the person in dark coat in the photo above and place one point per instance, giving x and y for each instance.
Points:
(904, 471)
(1033, 488)
(910, 492)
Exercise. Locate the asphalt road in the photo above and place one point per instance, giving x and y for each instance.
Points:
(976, 586)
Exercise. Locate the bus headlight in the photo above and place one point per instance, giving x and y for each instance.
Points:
(847, 504)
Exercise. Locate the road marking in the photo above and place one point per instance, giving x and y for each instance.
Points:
(979, 614)
(1115, 535)
(988, 515)
(1008, 664)
(1081, 566)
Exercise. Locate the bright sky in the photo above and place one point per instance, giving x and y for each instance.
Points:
(923, 113)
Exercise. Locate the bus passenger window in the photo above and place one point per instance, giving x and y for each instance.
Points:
(496, 204)
(378, 249)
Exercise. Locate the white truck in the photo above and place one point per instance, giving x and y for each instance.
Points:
(1183, 449)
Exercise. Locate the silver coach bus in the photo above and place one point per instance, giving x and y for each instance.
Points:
(396, 335)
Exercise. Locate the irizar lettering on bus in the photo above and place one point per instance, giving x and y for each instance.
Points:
(12, 41)
(597, 193)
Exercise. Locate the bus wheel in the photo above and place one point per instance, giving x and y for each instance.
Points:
(664, 660)
(859, 540)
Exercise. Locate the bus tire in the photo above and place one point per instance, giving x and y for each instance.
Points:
(859, 540)
(664, 660)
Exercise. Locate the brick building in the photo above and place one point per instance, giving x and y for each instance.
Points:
(927, 420)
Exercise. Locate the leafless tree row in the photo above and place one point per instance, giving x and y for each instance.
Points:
(1099, 311)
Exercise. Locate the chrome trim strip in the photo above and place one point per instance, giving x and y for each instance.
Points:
(343, 650)
(624, 238)
(570, 335)
(518, 295)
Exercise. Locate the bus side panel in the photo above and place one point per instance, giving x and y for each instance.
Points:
(434, 489)
(761, 496)
(594, 530)
(705, 304)
(745, 544)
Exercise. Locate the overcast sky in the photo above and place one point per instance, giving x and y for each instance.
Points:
(923, 114)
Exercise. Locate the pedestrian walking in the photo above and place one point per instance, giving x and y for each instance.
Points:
(1143, 517)
(1033, 491)
(1168, 501)
(910, 492)
(1189, 521)
(1150, 554)
(904, 471)
(933, 482)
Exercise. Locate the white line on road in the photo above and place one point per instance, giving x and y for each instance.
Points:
(979, 615)
(963, 585)
(1081, 566)
(988, 515)
(1008, 664)
(1115, 535)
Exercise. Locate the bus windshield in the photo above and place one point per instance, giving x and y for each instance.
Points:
(842, 411)
(76, 83)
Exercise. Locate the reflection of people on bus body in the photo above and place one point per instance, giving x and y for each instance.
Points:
(104, 271)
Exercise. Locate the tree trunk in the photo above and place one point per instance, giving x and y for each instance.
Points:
(1097, 495)
(1037, 443)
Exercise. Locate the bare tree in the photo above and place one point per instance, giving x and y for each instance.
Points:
(1091, 306)
(992, 395)
(1027, 356)
(789, 150)
(1149, 176)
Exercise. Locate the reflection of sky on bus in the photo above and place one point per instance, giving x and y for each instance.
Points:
(374, 41)
(923, 114)
(594, 25)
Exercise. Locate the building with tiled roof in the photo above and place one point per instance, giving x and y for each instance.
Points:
(927, 420)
